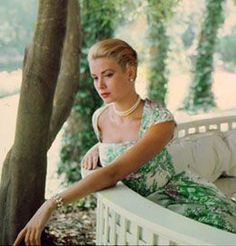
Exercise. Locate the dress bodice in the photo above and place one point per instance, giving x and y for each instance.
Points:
(157, 171)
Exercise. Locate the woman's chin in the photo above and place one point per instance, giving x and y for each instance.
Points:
(107, 100)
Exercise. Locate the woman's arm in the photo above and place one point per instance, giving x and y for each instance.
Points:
(154, 140)
(151, 144)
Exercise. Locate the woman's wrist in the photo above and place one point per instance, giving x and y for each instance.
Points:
(56, 203)
(52, 204)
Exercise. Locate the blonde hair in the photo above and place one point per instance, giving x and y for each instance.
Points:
(116, 49)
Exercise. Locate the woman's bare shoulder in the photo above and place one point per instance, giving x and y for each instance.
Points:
(103, 117)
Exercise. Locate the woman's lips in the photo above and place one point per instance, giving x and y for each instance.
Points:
(105, 94)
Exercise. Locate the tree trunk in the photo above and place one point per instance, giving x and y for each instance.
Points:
(68, 80)
(159, 45)
(201, 96)
(24, 170)
(158, 14)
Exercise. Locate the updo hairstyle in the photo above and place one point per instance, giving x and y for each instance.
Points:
(116, 49)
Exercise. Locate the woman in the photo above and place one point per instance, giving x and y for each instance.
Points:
(132, 136)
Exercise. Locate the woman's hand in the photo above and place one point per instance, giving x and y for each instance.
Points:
(33, 229)
(90, 160)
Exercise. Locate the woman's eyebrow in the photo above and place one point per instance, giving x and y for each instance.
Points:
(109, 69)
(106, 70)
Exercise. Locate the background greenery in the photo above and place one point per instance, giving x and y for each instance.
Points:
(171, 37)
(200, 94)
(17, 20)
(158, 15)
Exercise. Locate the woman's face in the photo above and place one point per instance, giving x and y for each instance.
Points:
(110, 80)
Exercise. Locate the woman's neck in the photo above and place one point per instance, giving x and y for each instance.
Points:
(127, 108)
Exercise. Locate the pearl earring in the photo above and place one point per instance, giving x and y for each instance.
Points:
(131, 80)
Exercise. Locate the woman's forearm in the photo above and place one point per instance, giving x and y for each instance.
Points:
(98, 180)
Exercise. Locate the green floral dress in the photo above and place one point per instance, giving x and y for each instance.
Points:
(157, 180)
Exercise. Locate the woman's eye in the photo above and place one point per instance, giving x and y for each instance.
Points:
(109, 75)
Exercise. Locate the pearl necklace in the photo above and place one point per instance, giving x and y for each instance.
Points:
(129, 111)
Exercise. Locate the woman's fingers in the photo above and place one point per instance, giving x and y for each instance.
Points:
(30, 236)
(20, 237)
(90, 159)
(95, 161)
(32, 231)
(90, 162)
(27, 237)
(37, 237)
(85, 163)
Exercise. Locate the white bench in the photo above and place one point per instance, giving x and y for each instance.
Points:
(126, 218)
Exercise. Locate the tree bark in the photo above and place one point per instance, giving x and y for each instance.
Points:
(68, 81)
(24, 171)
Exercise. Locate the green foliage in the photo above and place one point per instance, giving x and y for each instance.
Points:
(129, 10)
(162, 9)
(188, 37)
(158, 13)
(17, 22)
(200, 95)
(98, 22)
(84, 203)
(227, 50)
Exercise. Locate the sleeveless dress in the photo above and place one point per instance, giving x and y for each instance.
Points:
(184, 193)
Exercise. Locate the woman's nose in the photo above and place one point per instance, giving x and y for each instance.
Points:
(101, 83)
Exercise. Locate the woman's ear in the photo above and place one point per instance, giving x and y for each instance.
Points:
(131, 71)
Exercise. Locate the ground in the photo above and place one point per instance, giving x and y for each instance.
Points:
(76, 227)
